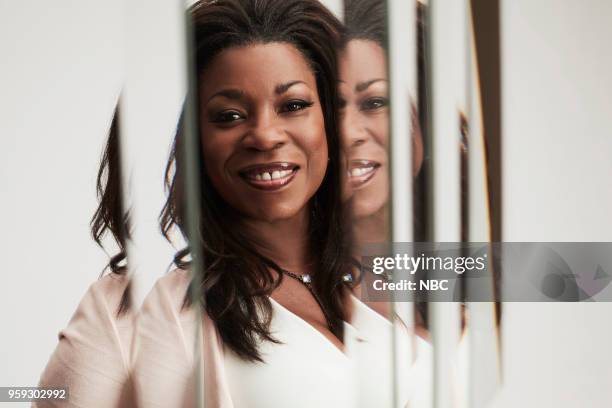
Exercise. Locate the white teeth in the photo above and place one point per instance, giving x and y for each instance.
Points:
(272, 175)
(360, 171)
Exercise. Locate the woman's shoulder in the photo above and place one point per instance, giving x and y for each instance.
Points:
(93, 348)
(99, 308)
(175, 282)
(165, 335)
(109, 290)
(168, 296)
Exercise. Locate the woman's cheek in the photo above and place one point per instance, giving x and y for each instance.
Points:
(216, 149)
(309, 135)
(316, 149)
(322, 159)
(380, 125)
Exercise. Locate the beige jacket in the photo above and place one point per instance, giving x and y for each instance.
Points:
(143, 359)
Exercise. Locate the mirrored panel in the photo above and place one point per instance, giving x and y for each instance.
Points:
(67, 302)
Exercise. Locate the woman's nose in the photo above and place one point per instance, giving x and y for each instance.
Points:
(352, 130)
(267, 133)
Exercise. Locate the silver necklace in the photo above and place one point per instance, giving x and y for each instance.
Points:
(306, 280)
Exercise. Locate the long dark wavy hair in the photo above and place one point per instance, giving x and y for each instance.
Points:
(237, 278)
(110, 216)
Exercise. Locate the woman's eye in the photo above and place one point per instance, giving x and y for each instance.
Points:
(297, 105)
(226, 116)
(374, 103)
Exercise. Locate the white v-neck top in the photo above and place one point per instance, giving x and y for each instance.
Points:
(307, 370)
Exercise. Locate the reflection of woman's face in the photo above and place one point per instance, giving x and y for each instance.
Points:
(364, 125)
(263, 134)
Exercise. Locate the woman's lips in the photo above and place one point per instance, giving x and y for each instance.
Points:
(269, 176)
(361, 171)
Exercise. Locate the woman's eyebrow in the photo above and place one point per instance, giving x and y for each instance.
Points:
(282, 88)
(234, 94)
(362, 86)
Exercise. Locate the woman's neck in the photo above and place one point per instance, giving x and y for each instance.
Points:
(283, 241)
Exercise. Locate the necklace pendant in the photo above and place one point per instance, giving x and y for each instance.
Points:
(306, 279)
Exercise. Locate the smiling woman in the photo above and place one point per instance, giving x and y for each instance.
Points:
(267, 104)
(276, 254)
(263, 133)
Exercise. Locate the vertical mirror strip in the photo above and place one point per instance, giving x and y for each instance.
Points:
(448, 93)
(403, 90)
(191, 147)
(483, 327)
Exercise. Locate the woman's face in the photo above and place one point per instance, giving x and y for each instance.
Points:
(364, 125)
(263, 134)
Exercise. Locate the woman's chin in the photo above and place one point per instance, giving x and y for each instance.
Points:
(365, 207)
(274, 213)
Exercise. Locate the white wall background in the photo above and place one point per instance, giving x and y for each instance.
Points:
(60, 73)
(63, 66)
(152, 102)
(557, 152)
